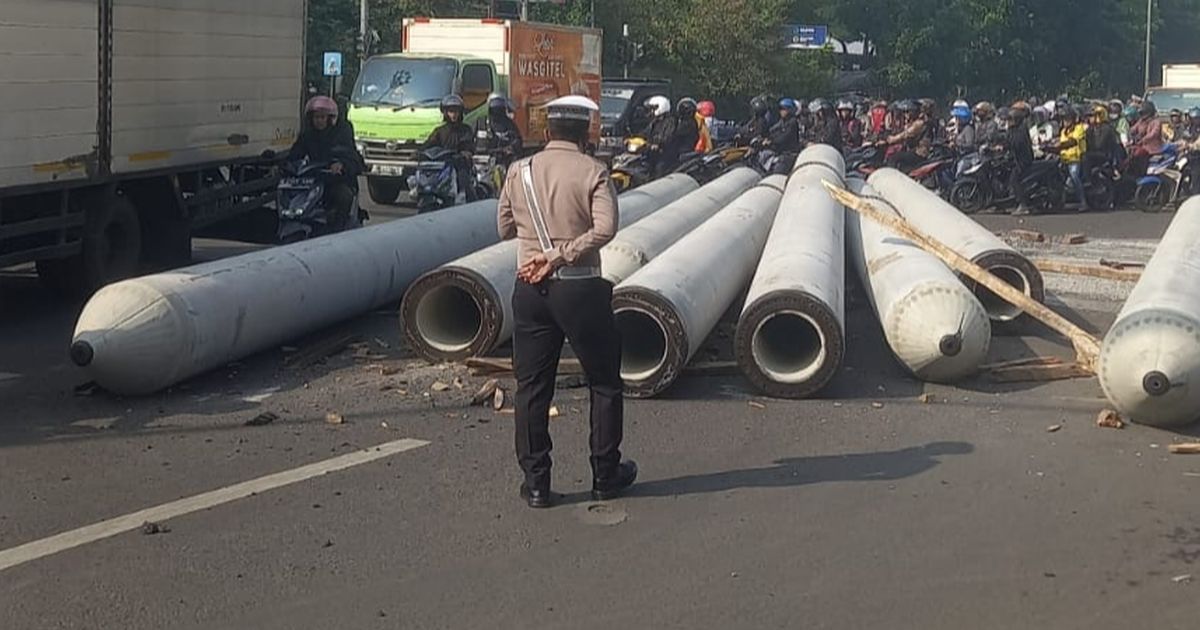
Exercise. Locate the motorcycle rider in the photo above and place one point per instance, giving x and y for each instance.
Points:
(327, 138)
(826, 127)
(755, 129)
(1147, 138)
(1041, 130)
(1103, 142)
(851, 126)
(784, 136)
(878, 115)
(497, 134)
(708, 110)
(703, 142)
(456, 136)
(672, 135)
(904, 147)
(965, 140)
(1016, 141)
(1120, 124)
(1173, 126)
(987, 131)
(659, 131)
(1071, 146)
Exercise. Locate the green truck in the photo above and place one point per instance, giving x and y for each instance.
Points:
(395, 103)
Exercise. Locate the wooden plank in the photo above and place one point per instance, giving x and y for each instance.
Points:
(1087, 347)
(1048, 265)
(1028, 361)
(1027, 373)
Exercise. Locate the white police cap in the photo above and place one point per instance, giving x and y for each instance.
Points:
(571, 108)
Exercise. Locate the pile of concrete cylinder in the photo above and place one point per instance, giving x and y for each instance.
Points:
(682, 258)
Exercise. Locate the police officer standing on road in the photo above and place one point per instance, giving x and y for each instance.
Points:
(561, 207)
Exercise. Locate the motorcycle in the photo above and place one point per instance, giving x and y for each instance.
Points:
(1165, 182)
(1099, 184)
(300, 202)
(708, 166)
(490, 172)
(435, 184)
(864, 160)
(984, 183)
(632, 168)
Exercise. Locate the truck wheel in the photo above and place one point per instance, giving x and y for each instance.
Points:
(112, 243)
(384, 190)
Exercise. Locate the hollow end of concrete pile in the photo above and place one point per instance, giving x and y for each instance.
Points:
(450, 314)
(654, 344)
(789, 344)
(1150, 367)
(1017, 271)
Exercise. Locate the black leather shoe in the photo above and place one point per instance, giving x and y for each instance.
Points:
(605, 489)
(537, 498)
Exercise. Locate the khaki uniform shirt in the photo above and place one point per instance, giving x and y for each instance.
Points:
(577, 200)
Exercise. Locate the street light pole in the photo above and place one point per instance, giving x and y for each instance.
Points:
(363, 28)
(524, 10)
(1149, 12)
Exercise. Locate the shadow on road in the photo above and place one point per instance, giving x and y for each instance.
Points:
(803, 471)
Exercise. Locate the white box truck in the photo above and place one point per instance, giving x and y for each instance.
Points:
(129, 124)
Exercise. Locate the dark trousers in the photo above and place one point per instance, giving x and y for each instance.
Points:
(580, 311)
(1016, 182)
(339, 196)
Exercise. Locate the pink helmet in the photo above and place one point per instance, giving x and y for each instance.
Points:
(707, 109)
(321, 105)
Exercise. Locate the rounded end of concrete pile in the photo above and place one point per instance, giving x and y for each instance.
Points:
(120, 335)
(654, 346)
(1150, 367)
(451, 314)
(940, 333)
(789, 344)
(1013, 269)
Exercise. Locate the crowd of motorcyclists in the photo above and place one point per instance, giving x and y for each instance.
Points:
(1106, 144)
(1030, 150)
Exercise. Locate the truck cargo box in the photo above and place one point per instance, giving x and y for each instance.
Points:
(203, 80)
(49, 93)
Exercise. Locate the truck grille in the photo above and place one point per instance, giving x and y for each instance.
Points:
(381, 152)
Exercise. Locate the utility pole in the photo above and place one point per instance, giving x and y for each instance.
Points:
(364, 33)
(592, 15)
(524, 10)
(1149, 12)
(628, 51)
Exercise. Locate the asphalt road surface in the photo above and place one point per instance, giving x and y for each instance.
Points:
(986, 507)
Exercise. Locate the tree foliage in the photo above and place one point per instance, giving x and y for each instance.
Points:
(730, 50)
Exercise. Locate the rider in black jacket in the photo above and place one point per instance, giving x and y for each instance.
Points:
(456, 136)
(497, 134)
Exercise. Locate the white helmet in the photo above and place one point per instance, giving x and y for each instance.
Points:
(660, 104)
(962, 103)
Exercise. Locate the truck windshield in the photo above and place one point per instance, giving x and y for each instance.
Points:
(399, 82)
(1166, 99)
(611, 107)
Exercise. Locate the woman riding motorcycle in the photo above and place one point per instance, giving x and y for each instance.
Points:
(708, 110)
(965, 140)
(497, 134)
(327, 138)
(703, 139)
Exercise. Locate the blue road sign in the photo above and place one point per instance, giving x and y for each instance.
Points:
(333, 64)
(805, 36)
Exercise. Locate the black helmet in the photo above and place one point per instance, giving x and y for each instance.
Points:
(497, 102)
(927, 105)
(1070, 113)
(686, 107)
(907, 106)
(759, 105)
(1194, 114)
(1148, 109)
(453, 101)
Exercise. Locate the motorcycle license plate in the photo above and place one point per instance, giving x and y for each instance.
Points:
(384, 169)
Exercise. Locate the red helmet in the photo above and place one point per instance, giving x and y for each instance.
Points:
(321, 105)
(707, 109)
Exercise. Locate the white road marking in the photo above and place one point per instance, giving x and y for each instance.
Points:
(104, 529)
